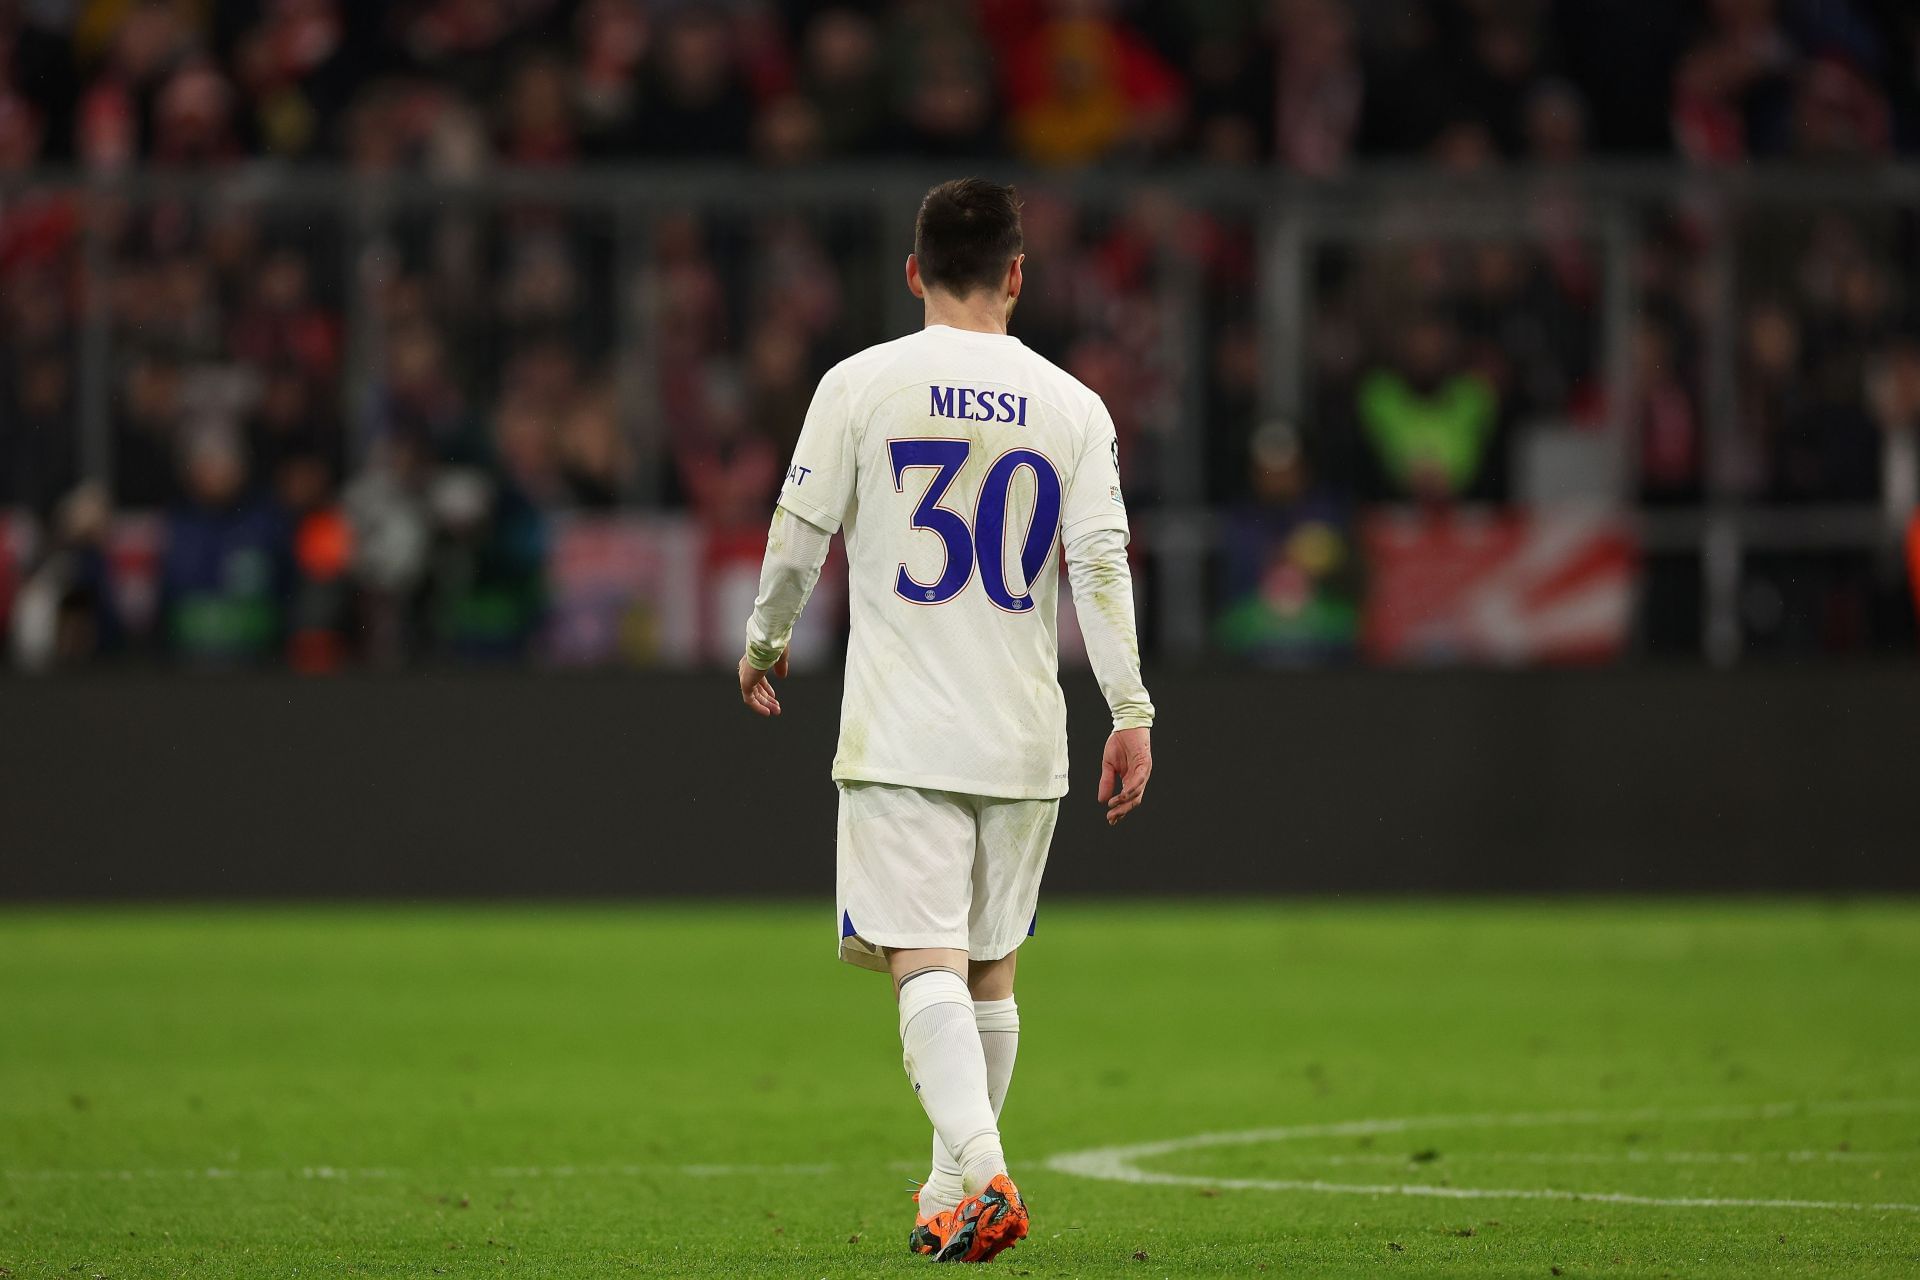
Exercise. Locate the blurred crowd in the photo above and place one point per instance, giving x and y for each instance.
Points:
(338, 436)
(1308, 84)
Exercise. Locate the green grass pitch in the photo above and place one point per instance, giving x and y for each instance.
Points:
(703, 1091)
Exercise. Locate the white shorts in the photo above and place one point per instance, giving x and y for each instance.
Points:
(937, 869)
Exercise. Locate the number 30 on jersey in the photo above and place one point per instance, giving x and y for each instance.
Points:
(985, 542)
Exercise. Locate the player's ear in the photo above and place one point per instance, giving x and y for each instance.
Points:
(1015, 279)
(914, 285)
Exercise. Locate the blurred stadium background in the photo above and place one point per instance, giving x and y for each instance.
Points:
(1520, 411)
(435, 348)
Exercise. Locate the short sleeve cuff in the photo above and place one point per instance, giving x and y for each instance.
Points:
(813, 515)
(1116, 521)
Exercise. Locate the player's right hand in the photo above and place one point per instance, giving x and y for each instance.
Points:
(1125, 766)
(756, 691)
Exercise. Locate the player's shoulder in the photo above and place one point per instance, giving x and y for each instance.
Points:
(854, 381)
(873, 362)
(1068, 391)
(1080, 405)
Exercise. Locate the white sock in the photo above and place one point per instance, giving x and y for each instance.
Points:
(998, 1022)
(948, 1068)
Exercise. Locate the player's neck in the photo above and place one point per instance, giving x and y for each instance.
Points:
(978, 312)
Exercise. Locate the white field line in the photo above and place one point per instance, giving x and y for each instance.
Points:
(1622, 1157)
(1122, 1163)
(334, 1173)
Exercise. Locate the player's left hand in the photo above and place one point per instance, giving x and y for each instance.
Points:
(755, 689)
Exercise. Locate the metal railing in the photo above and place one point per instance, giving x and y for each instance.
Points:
(1292, 224)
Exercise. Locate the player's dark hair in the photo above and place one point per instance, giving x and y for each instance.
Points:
(967, 233)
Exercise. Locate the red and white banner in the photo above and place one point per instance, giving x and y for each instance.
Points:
(662, 591)
(623, 590)
(1547, 586)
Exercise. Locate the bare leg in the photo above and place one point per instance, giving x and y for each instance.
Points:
(905, 962)
(992, 979)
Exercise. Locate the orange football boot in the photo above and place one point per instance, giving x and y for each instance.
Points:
(930, 1230)
(985, 1224)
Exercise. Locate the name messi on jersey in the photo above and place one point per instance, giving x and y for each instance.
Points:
(979, 406)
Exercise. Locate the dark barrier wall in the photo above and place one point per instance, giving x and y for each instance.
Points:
(471, 785)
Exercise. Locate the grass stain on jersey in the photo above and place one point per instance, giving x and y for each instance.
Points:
(1110, 593)
(853, 739)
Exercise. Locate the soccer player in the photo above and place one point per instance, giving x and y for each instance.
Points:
(955, 462)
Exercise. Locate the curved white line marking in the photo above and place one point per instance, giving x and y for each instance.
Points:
(1627, 1157)
(1122, 1163)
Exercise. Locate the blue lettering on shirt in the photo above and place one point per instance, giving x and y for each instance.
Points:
(977, 406)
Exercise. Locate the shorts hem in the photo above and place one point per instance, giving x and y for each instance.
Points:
(909, 941)
(865, 950)
(987, 955)
(955, 786)
(853, 952)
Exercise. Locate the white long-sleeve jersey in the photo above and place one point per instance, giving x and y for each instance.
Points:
(957, 464)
